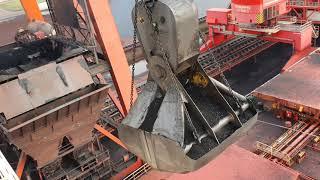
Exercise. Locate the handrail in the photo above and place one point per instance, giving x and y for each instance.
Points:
(273, 152)
(295, 27)
(139, 172)
(302, 3)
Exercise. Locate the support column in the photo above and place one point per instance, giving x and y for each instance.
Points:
(32, 10)
(110, 43)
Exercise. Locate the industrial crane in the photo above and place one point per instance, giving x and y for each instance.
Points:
(183, 118)
(268, 20)
(287, 21)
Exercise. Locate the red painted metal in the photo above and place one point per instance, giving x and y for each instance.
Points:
(218, 16)
(233, 164)
(301, 39)
(306, 9)
(297, 57)
(109, 135)
(116, 101)
(110, 43)
(128, 170)
(244, 11)
(297, 88)
(248, 2)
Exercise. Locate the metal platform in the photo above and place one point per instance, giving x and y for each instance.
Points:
(297, 89)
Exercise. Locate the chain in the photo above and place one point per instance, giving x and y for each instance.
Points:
(217, 64)
(135, 33)
(165, 57)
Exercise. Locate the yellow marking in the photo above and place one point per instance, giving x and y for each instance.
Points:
(259, 18)
(199, 80)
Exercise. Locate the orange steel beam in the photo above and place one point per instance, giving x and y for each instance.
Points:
(32, 10)
(110, 42)
(116, 101)
(109, 135)
(21, 164)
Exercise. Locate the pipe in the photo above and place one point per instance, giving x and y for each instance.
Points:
(188, 147)
(223, 122)
(300, 138)
(303, 142)
(227, 90)
(226, 120)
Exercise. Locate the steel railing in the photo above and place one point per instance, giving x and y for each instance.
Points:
(295, 27)
(273, 152)
(302, 3)
(139, 172)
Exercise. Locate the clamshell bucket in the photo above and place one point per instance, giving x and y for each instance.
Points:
(182, 119)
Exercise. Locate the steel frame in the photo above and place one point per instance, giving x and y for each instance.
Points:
(100, 12)
(84, 35)
(300, 8)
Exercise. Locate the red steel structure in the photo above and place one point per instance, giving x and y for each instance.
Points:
(306, 9)
(265, 19)
(257, 11)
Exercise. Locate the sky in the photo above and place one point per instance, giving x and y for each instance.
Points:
(121, 10)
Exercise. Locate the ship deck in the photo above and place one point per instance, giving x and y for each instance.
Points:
(298, 87)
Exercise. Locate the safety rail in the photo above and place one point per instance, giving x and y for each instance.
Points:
(273, 152)
(295, 27)
(139, 172)
(258, 27)
(288, 19)
(84, 166)
(315, 31)
(302, 3)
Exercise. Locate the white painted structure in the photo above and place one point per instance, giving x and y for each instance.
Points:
(6, 171)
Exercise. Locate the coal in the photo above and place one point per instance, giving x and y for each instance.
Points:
(200, 149)
(253, 73)
(210, 109)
